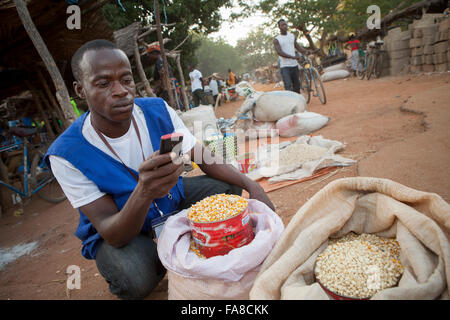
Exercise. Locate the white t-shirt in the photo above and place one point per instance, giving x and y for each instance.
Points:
(195, 76)
(79, 189)
(287, 46)
(214, 87)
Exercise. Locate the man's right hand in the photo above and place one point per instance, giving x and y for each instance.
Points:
(158, 174)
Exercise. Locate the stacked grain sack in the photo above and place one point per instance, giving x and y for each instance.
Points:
(429, 43)
(396, 43)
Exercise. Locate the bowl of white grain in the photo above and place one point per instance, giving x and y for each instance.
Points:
(357, 266)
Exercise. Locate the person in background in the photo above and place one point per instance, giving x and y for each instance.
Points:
(214, 87)
(154, 55)
(198, 94)
(353, 44)
(231, 78)
(286, 45)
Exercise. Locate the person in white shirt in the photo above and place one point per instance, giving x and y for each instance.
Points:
(285, 45)
(197, 86)
(214, 87)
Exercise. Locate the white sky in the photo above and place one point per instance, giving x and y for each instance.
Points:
(231, 32)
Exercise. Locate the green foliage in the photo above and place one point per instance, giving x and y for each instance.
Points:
(257, 49)
(218, 56)
(314, 17)
(353, 13)
(190, 16)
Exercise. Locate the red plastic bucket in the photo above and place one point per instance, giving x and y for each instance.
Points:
(220, 237)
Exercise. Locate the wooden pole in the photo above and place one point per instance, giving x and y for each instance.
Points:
(165, 74)
(183, 86)
(141, 71)
(51, 98)
(49, 109)
(41, 109)
(61, 91)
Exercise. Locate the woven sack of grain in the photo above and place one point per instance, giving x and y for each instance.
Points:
(335, 75)
(339, 66)
(274, 105)
(420, 221)
(300, 124)
(200, 121)
(227, 277)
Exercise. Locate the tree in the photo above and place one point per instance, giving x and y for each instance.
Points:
(317, 19)
(217, 56)
(257, 50)
(197, 16)
(313, 18)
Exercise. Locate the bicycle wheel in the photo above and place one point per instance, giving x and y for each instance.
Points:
(319, 88)
(379, 65)
(41, 174)
(305, 86)
(361, 70)
(370, 66)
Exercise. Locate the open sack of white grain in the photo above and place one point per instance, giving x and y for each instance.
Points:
(225, 277)
(419, 221)
(293, 160)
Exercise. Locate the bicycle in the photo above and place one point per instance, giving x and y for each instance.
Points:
(309, 75)
(375, 59)
(37, 177)
(362, 65)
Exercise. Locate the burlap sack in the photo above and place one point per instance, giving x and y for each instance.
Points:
(420, 221)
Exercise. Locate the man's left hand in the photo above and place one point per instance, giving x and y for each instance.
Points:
(257, 192)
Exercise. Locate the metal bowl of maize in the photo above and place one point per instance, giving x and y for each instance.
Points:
(356, 267)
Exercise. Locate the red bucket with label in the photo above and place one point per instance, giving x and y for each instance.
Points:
(220, 237)
(246, 162)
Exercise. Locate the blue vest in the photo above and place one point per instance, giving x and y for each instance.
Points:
(110, 175)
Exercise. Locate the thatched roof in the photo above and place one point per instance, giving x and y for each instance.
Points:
(125, 38)
(17, 52)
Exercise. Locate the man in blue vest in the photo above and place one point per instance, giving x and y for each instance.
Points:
(108, 164)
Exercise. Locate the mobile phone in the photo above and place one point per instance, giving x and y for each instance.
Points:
(171, 142)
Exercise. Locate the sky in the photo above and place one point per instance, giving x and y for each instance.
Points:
(232, 32)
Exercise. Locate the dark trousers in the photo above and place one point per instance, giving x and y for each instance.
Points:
(134, 270)
(199, 97)
(291, 78)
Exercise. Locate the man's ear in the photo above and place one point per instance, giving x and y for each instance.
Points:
(78, 87)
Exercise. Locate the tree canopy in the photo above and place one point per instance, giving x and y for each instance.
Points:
(317, 19)
(190, 16)
(218, 56)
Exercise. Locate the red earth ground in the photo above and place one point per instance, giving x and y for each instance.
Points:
(396, 127)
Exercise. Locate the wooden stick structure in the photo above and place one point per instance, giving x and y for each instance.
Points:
(62, 94)
(165, 75)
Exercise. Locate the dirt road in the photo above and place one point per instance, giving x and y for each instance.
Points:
(396, 127)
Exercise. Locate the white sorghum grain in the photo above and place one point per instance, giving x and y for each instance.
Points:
(359, 265)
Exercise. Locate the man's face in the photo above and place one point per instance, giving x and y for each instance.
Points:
(107, 85)
(283, 26)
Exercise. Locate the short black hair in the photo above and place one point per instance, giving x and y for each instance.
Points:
(93, 45)
(281, 20)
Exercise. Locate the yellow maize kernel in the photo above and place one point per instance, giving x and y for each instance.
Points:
(216, 208)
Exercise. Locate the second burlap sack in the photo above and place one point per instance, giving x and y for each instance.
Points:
(419, 220)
